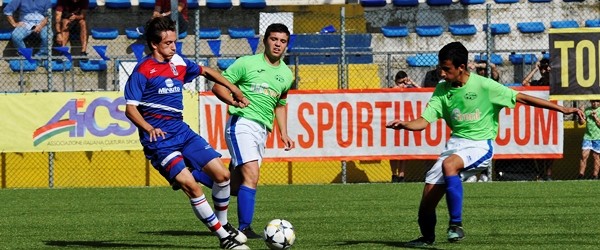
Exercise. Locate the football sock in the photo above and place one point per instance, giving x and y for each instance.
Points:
(220, 196)
(203, 178)
(454, 198)
(203, 211)
(246, 200)
(427, 223)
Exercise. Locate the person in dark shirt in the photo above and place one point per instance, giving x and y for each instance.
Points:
(543, 66)
(67, 14)
(432, 78)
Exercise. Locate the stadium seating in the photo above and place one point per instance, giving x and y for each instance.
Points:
(16, 65)
(224, 63)
(105, 33)
(439, 2)
(531, 27)
(131, 33)
(182, 35)
(429, 30)
(540, 1)
(506, 1)
(146, 4)
(59, 65)
(470, 2)
(462, 29)
(117, 4)
(241, 32)
(405, 3)
(92, 4)
(326, 49)
(193, 4)
(498, 28)
(496, 58)
(253, 4)
(92, 65)
(218, 4)
(522, 58)
(394, 31)
(209, 33)
(592, 23)
(373, 3)
(564, 24)
(422, 60)
(5, 34)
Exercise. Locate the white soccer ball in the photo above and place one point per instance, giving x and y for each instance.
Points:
(279, 234)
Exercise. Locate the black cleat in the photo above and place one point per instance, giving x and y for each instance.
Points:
(455, 233)
(250, 233)
(239, 236)
(229, 242)
(420, 242)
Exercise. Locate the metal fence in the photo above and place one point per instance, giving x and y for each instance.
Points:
(333, 47)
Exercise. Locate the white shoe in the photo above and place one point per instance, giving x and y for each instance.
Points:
(472, 179)
(484, 178)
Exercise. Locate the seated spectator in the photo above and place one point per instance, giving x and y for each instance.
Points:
(432, 78)
(543, 67)
(481, 69)
(163, 8)
(33, 19)
(401, 80)
(68, 14)
(591, 139)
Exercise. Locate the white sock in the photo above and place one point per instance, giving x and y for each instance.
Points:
(203, 211)
(220, 196)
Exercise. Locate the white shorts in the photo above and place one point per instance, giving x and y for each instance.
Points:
(476, 156)
(245, 139)
(593, 145)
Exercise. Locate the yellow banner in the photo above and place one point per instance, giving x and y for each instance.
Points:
(77, 121)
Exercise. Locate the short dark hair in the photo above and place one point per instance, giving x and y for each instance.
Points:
(545, 61)
(455, 52)
(155, 28)
(401, 74)
(276, 27)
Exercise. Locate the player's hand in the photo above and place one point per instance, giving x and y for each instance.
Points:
(155, 133)
(577, 111)
(239, 97)
(288, 142)
(241, 104)
(395, 124)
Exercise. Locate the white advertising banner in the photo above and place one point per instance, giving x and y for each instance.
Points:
(350, 125)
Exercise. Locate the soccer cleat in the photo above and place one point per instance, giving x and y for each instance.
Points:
(239, 236)
(229, 242)
(175, 186)
(250, 233)
(420, 242)
(455, 233)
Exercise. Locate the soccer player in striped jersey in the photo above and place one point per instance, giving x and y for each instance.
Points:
(154, 103)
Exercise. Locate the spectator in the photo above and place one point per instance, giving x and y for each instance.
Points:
(163, 8)
(432, 78)
(33, 18)
(591, 139)
(68, 14)
(481, 69)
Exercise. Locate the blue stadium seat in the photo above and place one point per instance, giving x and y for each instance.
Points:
(531, 27)
(498, 28)
(147, 4)
(564, 24)
(5, 2)
(462, 29)
(224, 63)
(522, 58)
(92, 4)
(439, 2)
(15, 65)
(209, 33)
(182, 35)
(394, 31)
(422, 60)
(253, 4)
(193, 4)
(506, 1)
(105, 33)
(59, 65)
(592, 23)
(429, 30)
(92, 65)
(218, 4)
(53, 3)
(118, 4)
(5, 34)
(131, 33)
(470, 2)
(373, 3)
(241, 32)
(573, 0)
(328, 47)
(405, 3)
(496, 58)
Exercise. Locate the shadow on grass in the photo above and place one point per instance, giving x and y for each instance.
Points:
(107, 244)
(179, 233)
(399, 244)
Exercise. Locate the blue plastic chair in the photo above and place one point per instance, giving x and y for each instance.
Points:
(193, 4)
(253, 4)
(131, 33)
(496, 58)
(224, 63)
(498, 28)
(429, 30)
(592, 23)
(564, 24)
(405, 3)
(439, 2)
(394, 31)
(118, 4)
(59, 65)
(15, 65)
(147, 4)
(471, 2)
(422, 60)
(5, 34)
(209, 33)
(92, 4)
(182, 35)
(105, 33)
(462, 29)
(531, 27)
(218, 4)
(241, 32)
(92, 65)
(522, 58)
(373, 3)
(506, 1)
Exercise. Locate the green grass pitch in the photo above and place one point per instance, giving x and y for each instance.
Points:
(497, 215)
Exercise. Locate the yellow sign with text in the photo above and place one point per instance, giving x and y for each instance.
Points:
(77, 121)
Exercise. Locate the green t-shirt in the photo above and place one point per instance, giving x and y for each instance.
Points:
(263, 84)
(592, 131)
(471, 111)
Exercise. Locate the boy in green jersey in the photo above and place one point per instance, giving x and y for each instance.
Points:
(470, 104)
(591, 139)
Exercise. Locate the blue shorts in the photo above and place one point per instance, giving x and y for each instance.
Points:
(591, 144)
(177, 150)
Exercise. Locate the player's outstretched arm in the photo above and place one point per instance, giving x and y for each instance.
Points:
(414, 125)
(239, 100)
(541, 103)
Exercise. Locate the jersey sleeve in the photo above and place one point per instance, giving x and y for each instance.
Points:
(235, 72)
(501, 95)
(433, 110)
(134, 88)
(192, 70)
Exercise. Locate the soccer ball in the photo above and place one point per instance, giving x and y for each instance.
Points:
(279, 234)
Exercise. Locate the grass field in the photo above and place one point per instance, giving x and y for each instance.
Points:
(498, 215)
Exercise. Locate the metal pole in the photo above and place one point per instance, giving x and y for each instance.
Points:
(197, 46)
(51, 169)
(342, 70)
(488, 38)
(388, 67)
(175, 16)
(49, 47)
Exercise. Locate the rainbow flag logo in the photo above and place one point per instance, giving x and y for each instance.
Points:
(45, 132)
